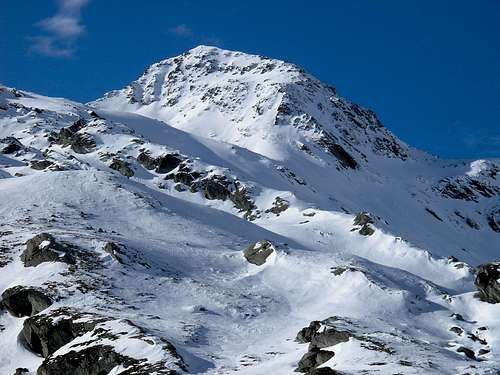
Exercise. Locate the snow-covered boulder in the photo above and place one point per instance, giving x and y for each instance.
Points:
(258, 252)
(44, 248)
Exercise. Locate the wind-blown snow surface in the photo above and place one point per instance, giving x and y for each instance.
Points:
(268, 130)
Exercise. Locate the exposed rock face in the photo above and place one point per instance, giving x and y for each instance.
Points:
(114, 250)
(313, 359)
(47, 333)
(279, 205)
(99, 359)
(306, 334)
(493, 219)
(488, 282)
(363, 219)
(122, 166)
(44, 248)
(323, 371)
(167, 163)
(468, 352)
(25, 301)
(9, 145)
(40, 164)
(328, 337)
(21, 371)
(162, 164)
(80, 143)
(258, 252)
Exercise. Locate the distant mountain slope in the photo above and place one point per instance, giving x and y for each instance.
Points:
(197, 220)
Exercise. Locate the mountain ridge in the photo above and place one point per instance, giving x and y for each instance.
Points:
(203, 241)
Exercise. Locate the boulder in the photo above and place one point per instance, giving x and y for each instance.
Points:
(279, 205)
(25, 301)
(313, 359)
(323, 371)
(79, 143)
(167, 163)
(366, 230)
(40, 165)
(122, 166)
(328, 337)
(21, 371)
(114, 250)
(258, 252)
(147, 161)
(44, 334)
(363, 218)
(488, 282)
(468, 352)
(9, 145)
(44, 248)
(306, 334)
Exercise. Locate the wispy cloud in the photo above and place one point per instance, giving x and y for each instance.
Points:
(60, 32)
(184, 31)
(181, 30)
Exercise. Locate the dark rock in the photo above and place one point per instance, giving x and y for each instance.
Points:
(323, 371)
(241, 200)
(457, 330)
(147, 161)
(433, 214)
(114, 250)
(279, 205)
(44, 248)
(366, 230)
(167, 163)
(306, 334)
(100, 359)
(215, 188)
(328, 337)
(468, 352)
(493, 219)
(25, 301)
(45, 334)
(313, 359)
(21, 370)
(79, 143)
(122, 166)
(40, 164)
(483, 351)
(9, 145)
(487, 282)
(258, 252)
(182, 177)
(363, 218)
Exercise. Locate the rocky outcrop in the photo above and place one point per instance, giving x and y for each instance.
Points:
(122, 166)
(258, 252)
(96, 354)
(44, 248)
(362, 222)
(40, 165)
(313, 359)
(10, 145)
(162, 164)
(81, 143)
(319, 335)
(115, 251)
(279, 205)
(488, 282)
(25, 301)
(323, 371)
(44, 334)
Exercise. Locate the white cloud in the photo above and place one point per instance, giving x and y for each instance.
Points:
(61, 31)
(181, 30)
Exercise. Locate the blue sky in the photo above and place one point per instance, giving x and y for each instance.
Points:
(430, 69)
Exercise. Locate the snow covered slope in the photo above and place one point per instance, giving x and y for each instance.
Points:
(152, 198)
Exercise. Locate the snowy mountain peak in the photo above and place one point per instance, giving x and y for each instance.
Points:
(268, 106)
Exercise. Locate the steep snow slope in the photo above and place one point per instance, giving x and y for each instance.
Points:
(181, 190)
(337, 154)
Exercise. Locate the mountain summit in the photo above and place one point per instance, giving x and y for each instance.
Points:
(229, 213)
